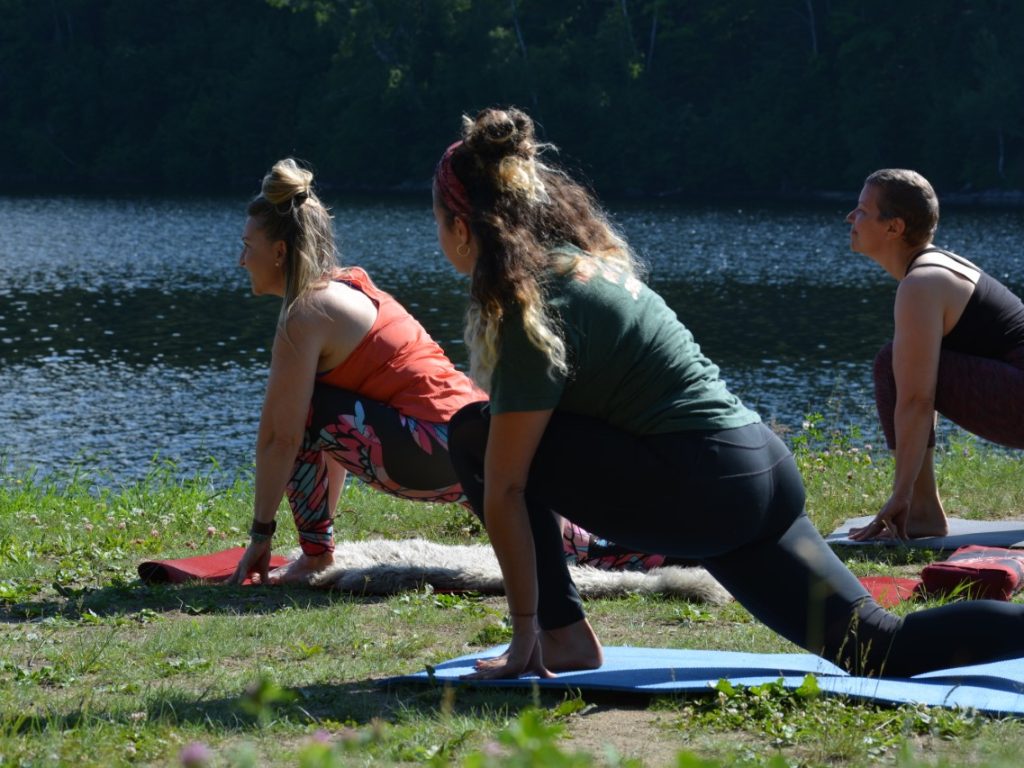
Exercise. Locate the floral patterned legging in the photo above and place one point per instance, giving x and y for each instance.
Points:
(388, 451)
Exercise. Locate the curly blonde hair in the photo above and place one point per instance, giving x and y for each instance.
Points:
(520, 209)
(288, 209)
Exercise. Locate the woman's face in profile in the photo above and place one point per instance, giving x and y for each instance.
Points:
(867, 228)
(263, 259)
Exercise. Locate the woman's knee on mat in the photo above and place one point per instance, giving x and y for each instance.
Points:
(861, 640)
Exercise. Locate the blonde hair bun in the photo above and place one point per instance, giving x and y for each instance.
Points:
(287, 181)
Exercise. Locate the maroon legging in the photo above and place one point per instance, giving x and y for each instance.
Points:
(983, 395)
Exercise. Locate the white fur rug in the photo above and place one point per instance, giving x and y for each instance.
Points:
(385, 567)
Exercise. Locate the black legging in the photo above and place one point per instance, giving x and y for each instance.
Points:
(734, 501)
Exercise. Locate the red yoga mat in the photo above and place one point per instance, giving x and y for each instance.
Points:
(216, 566)
(991, 573)
(891, 590)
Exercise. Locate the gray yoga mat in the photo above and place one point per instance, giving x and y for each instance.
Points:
(962, 533)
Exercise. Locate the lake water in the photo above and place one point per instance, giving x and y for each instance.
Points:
(127, 332)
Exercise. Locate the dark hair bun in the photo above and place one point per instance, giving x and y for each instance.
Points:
(497, 133)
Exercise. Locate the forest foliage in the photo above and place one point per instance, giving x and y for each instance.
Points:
(647, 97)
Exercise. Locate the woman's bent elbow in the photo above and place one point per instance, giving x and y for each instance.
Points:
(505, 494)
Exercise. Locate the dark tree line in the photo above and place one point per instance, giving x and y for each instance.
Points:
(692, 97)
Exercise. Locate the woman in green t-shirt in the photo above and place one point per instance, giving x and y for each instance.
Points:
(604, 410)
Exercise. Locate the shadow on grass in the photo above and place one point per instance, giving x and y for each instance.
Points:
(884, 555)
(196, 598)
(193, 599)
(355, 703)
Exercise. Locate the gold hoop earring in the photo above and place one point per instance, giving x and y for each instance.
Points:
(462, 253)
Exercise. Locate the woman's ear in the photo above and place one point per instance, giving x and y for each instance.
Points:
(462, 233)
(280, 250)
(896, 227)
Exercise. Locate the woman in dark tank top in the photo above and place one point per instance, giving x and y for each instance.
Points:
(957, 348)
(992, 323)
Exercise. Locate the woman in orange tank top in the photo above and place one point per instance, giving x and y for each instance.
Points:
(356, 384)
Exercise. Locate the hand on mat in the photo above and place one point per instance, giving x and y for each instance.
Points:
(522, 657)
(890, 523)
(255, 560)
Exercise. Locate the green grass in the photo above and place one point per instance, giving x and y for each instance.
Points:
(97, 669)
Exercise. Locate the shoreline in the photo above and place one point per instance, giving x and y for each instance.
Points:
(998, 199)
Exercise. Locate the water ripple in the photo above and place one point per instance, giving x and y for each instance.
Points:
(127, 330)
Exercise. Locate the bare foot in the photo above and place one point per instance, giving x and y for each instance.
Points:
(916, 529)
(571, 648)
(926, 518)
(923, 520)
(923, 524)
(301, 570)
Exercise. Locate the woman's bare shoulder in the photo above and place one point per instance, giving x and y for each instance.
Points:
(941, 266)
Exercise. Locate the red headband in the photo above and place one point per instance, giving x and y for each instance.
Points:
(453, 194)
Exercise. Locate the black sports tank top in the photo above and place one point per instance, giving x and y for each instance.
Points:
(992, 323)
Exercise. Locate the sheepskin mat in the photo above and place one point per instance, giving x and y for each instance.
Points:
(387, 567)
(995, 688)
(962, 532)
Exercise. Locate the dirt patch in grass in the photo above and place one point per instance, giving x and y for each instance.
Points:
(631, 731)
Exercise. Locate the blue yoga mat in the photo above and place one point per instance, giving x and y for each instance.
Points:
(996, 688)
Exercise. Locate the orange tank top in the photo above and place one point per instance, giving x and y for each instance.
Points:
(397, 363)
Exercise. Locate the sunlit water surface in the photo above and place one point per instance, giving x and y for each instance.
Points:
(128, 334)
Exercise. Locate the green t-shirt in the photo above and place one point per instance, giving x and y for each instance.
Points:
(631, 362)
